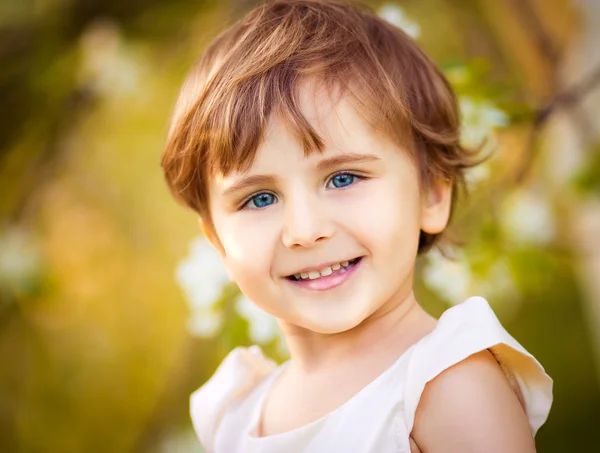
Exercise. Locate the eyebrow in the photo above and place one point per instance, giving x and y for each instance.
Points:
(324, 164)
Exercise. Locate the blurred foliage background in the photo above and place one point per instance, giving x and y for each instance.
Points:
(113, 310)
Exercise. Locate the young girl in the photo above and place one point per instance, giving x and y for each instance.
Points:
(320, 147)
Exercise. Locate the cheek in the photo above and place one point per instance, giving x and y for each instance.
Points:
(384, 217)
(248, 246)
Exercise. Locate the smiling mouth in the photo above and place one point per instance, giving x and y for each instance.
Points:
(314, 275)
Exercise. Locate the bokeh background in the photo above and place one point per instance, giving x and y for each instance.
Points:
(113, 309)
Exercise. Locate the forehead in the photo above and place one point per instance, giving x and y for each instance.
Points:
(334, 114)
(320, 104)
(334, 117)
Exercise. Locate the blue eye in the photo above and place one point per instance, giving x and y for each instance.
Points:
(261, 200)
(264, 199)
(343, 179)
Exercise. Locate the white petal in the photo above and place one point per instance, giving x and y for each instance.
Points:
(478, 174)
(205, 324)
(479, 119)
(395, 15)
(19, 256)
(450, 279)
(263, 326)
(528, 218)
(202, 275)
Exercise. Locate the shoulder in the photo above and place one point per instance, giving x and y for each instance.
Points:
(237, 375)
(470, 366)
(470, 407)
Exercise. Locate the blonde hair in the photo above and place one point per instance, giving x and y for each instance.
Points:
(253, 69)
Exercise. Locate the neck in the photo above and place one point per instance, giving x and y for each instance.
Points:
(385, 334)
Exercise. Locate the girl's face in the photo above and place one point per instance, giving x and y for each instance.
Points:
(288, 214)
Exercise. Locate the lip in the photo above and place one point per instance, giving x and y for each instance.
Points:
(330, 281)
(321, 266)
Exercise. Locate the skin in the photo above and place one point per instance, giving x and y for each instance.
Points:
(343, 338)
(471, 407)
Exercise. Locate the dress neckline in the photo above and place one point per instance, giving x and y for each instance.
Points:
(444, 318)
(270, 381)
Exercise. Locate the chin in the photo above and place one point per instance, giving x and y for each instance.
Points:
(332, 326)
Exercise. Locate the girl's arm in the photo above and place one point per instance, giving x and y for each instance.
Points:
(471, 408)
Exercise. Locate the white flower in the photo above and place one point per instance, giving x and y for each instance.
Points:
(19, 257)
(204, 323)
(105, 64)
(528, 219)
(477, 174)
(479, 118)
(395, 15)
(263, 326)
(450, 279)
(202, 275)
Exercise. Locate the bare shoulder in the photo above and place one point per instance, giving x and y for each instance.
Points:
(471, 407)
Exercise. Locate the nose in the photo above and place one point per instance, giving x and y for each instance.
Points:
(306, 222)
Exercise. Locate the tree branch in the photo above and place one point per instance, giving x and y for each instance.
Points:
(564, 99)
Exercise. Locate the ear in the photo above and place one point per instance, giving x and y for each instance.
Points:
(211, 237)
(435, 206)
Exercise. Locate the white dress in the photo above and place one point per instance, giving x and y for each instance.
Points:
(380, 417)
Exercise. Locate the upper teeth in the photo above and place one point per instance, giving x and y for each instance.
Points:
(322, 272)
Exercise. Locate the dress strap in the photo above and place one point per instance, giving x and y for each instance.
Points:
(464, 330)
(238, 374)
